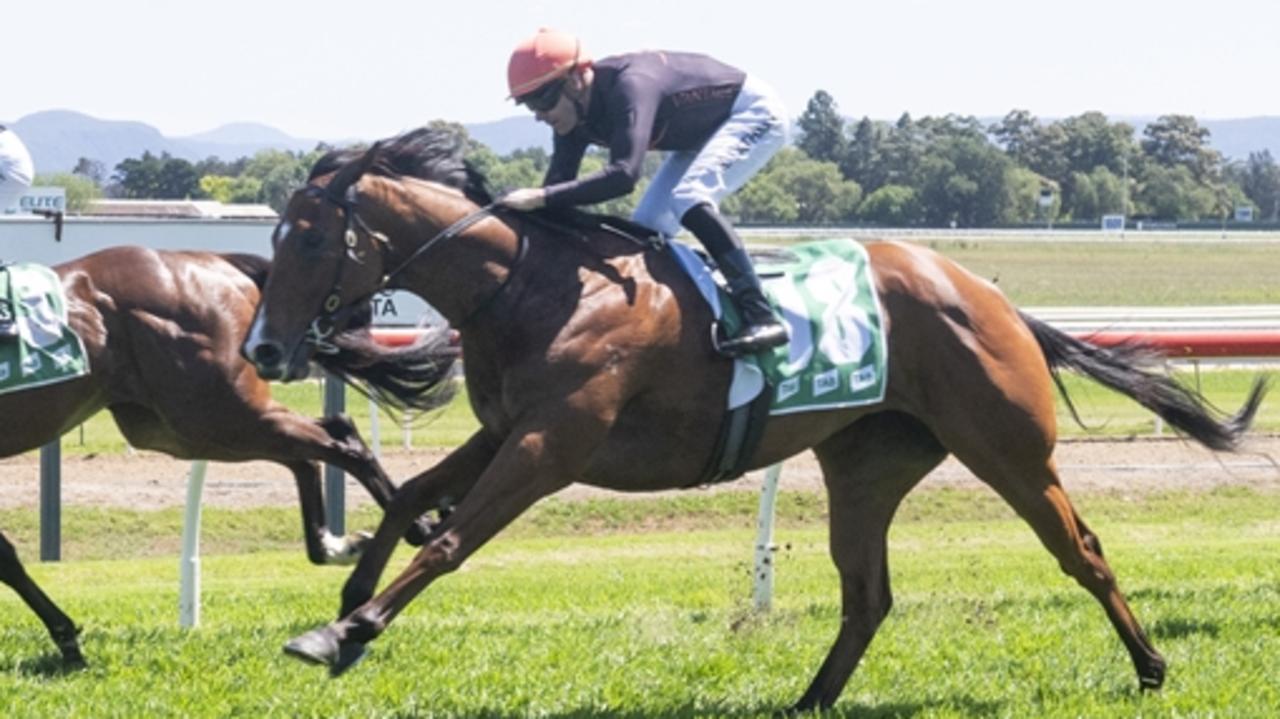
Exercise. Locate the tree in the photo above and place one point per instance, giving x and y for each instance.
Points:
(217, 166)
(1045, 152)
(1090, 140)
(796, 188)
(902, 152)
(80, 189)
(1174, 140)
(93, 170)
(1094, 194)
(863, 158)
(1174, 193)
(280, 173)
(762, 201)
(891, 205)
(223, 188)
(1259, 179)
(1017, 134)
(963, 179)
(159, 178)
(1021, 201)
(822, 129)
(821, 193)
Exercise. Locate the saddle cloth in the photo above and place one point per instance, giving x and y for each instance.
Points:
(823, 290)
(37, 347)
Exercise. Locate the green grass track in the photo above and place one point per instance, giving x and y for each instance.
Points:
(561, 618)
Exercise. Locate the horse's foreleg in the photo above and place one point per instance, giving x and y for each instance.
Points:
(448, 481)
(63, 631)
(517, 477)
(868, 469)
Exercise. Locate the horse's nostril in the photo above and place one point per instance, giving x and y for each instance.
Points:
(267, 354)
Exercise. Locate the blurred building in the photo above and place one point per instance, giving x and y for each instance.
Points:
(178, 210)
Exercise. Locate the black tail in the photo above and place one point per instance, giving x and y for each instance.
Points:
(1120, 368)
(413, 378)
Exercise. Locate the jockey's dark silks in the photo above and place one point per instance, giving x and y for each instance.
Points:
(639, 102)
(718, 125)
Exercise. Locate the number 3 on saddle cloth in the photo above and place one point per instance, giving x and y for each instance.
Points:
(836, 358)
(36, 345)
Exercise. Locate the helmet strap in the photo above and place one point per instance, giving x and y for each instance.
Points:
(581, 90)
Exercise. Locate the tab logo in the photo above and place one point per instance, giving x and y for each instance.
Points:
(863, 378)
(826, 382)
(788, 389)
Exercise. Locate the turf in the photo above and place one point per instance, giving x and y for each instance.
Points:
(567, 620)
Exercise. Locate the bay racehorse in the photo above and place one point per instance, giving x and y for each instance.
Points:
(588, 359)
(162, 332)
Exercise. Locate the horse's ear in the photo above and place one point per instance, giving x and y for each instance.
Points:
(349, 173)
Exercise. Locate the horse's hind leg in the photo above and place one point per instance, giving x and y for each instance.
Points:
(868, 468)
(63, 631)
(1030, 485)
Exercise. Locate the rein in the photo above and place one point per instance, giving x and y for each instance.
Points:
(447, 233)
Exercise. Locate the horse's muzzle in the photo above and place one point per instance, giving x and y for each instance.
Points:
(268, 358)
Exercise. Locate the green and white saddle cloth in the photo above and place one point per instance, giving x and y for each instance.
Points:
(837, 356)
(37, 347)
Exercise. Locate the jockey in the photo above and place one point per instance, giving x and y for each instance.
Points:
(16, 171)
(719, 124)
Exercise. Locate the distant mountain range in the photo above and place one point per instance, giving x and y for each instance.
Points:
(59, 138)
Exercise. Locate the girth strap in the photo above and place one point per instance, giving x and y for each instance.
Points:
(740, 433)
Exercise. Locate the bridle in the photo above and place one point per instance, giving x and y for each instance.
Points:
(334, 312)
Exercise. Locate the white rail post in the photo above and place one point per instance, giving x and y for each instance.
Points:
(762, 596)
(189, 571)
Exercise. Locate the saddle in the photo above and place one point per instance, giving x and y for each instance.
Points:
(37, 347)
(8, 317)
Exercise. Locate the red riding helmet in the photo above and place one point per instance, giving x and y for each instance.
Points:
(547, 56)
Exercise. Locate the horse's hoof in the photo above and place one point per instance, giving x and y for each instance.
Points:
(73, 659)
(360, 542)
(349, 655)
(69, 646)
(345, 550)
(1151, 677)
(419, 532)
(318, 646)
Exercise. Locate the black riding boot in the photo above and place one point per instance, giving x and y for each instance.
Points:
(761, 328)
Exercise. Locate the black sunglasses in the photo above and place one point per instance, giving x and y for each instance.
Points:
(544, 98)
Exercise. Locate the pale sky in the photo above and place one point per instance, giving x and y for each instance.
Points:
(334, 69)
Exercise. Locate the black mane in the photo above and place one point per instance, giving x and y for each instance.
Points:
(425, 153)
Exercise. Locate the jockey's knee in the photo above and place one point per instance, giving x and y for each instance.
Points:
(657, 216)
(685, 198)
